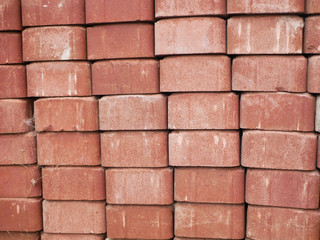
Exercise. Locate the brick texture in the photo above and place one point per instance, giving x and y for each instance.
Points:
(10, 48)
(312, 34)
(10, 13)
(13, 81)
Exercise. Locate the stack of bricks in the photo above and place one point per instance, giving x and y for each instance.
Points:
(159, 119)
(20, 181)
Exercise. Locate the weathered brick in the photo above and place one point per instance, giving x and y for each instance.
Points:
(203, 111)
(269, 73)
(314, 74)
(295, 189)
(50, 79)
(134, 149)
(59, 236)
(10, 48)
(312, 6)
(125, 77)
(195, 73)
(204, 148)
(265, 35)
(124, 186)
(13, 81)
(279, 150)
(19, 235)
(190, 36)
(312, 35)
(277, 111)
(10, 12)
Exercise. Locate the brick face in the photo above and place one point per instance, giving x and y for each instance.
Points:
(10, 13)
(13, 81)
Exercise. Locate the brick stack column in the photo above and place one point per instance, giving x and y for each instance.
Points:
(203, 116)
(20, 181)
(277, 115)
(66, 119)
(132, 118)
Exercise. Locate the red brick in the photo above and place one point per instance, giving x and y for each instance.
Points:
(10, 13)
(20, 181)
(282, 223)
(265, 6)
(19, 235)
(134, 149)
(203, 111)
(277, 111)
(211, 185)
(209, 220)
(177, 8)
(312, 6)
(10, 48)
(317, 119)
(108, 11)
(312, 35)
(22, 214)
(124, 186)
(125, 77)
(66, 114)
(13, 81)
(48, 236)
(68, 148)
(73, 183)
(314, 74)
(128, 40)
(318, 153)
(269, 73)
(144, 222)
(46, 79)
(133, 112)
(15, 116)
(74, 217)
(204, 148)
(44, 43)
(195, 73)
(279, 150)
(18, 149)
(280, 188)
(265, 35)
(190, 35)
(46, 12)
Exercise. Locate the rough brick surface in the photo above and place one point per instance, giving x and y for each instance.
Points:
(195, 73)
(46, 12)
(108, 11)
(59, 79)
(295, 189)
(265, 6)
(134, 149)
(52, 236)
(133, 112)
(312, 35)
(314, 74)
(15, 116)
(190, 36)
(317, 120)
(125, 77)
(279, 150)
(265, 35)
(282, 223)
(73, 217)
(117, 41)
(203, 111)
(204, 148)
(139, 222)
(318, 154)
(22, 214)
(20, 181)
(45, 44)
(176, 8)
(124, 186)
(312, 6)
(13, 81)
(79, 114)
(211, 185)
(73, 183)
(269, 73)
(17, 149)
(10, 48)
(68, 148)
(209, 220)
(18, 235)
(277, 111)
(10, 15)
